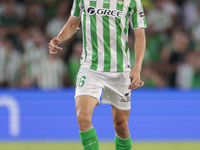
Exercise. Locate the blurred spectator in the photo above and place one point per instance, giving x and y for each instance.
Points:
(10, 64)
(50, 7)
(151, 78)
(148, 5)
(181, 46)
(25, 83)
(51, 73)
(190, 13)
(196, 67)
(158, 19)
(154, 44)
(74, 62)
(34, 16)
(188, 74)
(62, 15)
(162, 67)
(19, 8)
(34, 55)
(185, 72)
(196, 31)
(9, 16)
(2, 63)
(171, 8)
(10, 22)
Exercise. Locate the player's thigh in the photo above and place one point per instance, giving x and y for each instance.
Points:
(85, 105)
(120, 116)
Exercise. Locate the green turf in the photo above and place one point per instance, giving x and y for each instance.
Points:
(103, 146)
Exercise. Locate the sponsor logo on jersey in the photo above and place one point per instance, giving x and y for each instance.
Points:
(120, 1)
(104, 12)
(91, 10)
(126, 98)
(141, 14)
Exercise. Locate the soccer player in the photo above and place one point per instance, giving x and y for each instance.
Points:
(105, 63)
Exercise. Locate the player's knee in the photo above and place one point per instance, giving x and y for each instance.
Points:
(84, 121)
(122, 129)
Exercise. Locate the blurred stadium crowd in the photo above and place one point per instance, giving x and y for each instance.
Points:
(172, 56)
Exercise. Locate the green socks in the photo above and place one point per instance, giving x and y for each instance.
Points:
(89, 139)
(122, 144)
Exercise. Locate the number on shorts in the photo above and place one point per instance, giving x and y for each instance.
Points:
(81, 81)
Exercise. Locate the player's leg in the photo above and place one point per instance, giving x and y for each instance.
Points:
(120, 121)
(84, 109)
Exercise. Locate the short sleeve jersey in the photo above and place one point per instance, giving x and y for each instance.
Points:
(105, 26)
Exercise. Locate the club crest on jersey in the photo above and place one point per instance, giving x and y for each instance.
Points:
(106, 1)
(120, 1)
(104, 12)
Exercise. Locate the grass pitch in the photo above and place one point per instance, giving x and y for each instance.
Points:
(103, 146)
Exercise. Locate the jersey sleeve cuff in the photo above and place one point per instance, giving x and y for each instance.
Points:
(76, 16)
(141, 27)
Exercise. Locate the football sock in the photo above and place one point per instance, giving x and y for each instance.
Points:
(89, 139)
(122, 144)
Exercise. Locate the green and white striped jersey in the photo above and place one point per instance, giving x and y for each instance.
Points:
(105, 26)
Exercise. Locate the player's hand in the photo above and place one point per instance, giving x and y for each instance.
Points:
(53, 46)
(136, 81)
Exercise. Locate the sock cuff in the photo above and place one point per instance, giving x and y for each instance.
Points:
(87, 134)
(86, 131)
(121, 141)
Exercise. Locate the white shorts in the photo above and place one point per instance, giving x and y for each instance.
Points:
(114, 87)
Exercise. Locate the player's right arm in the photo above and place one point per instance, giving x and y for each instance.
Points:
(66, 33)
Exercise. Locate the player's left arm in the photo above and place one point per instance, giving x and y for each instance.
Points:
(140, 46)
